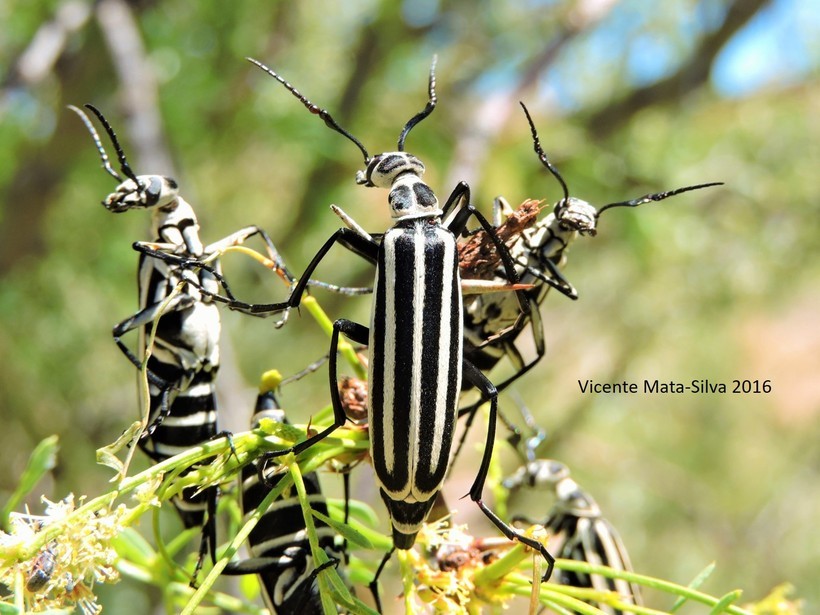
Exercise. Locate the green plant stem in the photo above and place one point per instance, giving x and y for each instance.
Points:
(319, 555)
(345, 348)
(319, 458)
(233, 547)
(665, 586)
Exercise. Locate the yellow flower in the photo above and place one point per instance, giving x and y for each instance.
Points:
(63, 572)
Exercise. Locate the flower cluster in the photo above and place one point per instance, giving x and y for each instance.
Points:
(64, 570)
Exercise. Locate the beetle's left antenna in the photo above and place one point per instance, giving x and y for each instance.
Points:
(315, 109)
(124, 166)
(106, 163)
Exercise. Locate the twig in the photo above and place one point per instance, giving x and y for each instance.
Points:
(138, 85)
(491, 116)
(688, 77)
(48, 45)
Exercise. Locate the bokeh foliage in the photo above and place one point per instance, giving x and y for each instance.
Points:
(716, 285)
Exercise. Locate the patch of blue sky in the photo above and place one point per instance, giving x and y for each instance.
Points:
(420, 13)
(651, 57)
(635, 46)
(779, 47)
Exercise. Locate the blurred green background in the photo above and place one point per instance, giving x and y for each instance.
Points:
(629, 98)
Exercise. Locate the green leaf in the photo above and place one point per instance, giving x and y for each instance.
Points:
(357, 509)
(347, 532)
(42, 459)
(282, 430)
(107, 455)
(725, 602)
(133, 546)
(695, 584)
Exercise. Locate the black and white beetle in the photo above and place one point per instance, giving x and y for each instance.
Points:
(415, 335)
(539, 253)
(279, 543)
(184, 358)
(577, 525)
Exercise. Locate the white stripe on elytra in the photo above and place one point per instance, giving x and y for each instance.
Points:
(419, 297)
(389, 354)
(445, 334)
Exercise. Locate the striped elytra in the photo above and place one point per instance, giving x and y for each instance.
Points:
(415, 366)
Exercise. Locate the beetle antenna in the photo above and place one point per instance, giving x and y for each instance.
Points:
(542, 155)
(124, 166)
(106, 163)
(428, 109)
(659, 196)
(315, 109)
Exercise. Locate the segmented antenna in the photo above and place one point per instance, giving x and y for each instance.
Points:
(124, 166)
(542, 156)
(315, 109)
(106, 163)
(659, 196)
(428, 109)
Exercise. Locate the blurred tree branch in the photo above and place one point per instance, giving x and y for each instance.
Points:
(41, 169)
(39, 172)
(138, 85)
(491, 116)
(48, 45)
(690, 76)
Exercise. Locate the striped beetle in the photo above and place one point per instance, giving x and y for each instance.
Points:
(184, 358)
(577, 525)
(279, 546)
(539, 253)
(415, 335)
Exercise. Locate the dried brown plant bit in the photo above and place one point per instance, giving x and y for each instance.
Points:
(478, 257)
(353, 392)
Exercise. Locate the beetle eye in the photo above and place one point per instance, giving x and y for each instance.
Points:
(154, 187)
(153, 190)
